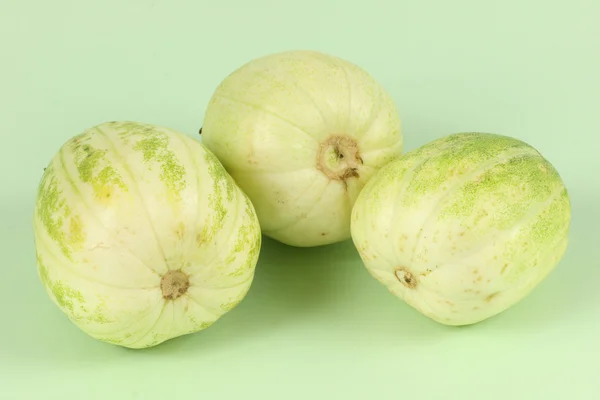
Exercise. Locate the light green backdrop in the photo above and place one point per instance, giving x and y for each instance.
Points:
(315, 325)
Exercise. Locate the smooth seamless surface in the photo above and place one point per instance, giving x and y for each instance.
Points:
(314, 325)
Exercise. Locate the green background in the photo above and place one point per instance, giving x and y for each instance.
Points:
(315, 324)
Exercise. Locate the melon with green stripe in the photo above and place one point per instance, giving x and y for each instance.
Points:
(141, 235)
(463, 227)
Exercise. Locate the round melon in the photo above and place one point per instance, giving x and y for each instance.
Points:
(141, 235)
(463, 227)
(301, 132)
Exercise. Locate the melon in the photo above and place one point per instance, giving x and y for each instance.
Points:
(464, 227)
(141, 236)
(301, 132)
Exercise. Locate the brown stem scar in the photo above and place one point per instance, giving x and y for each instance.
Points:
(174, 284)
(339, 158)
(406, 278)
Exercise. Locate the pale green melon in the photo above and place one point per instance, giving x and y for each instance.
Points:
(141, 235)
(464, 227)
(301, 132)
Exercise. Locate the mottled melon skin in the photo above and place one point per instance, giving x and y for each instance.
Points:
(463, 227)
(141, 235)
